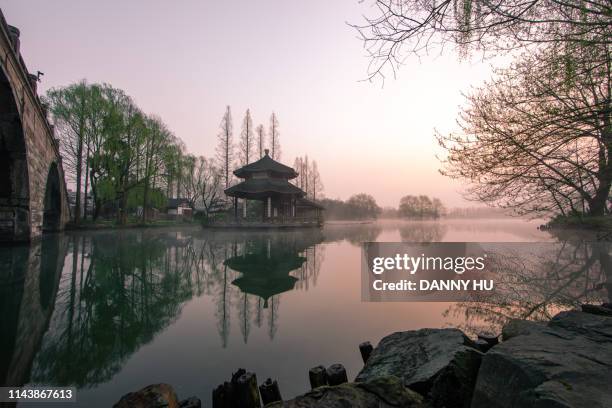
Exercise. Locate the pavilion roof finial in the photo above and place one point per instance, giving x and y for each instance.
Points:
(267, 152)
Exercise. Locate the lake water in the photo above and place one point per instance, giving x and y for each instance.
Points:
(112, 311)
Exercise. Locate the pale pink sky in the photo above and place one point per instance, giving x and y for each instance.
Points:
(186, 60)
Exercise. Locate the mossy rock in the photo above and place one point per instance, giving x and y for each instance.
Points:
(383, 392)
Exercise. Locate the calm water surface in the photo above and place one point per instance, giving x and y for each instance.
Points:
(111, 312)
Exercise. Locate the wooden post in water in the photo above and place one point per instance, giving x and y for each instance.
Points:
(269, 392)
(489, 337)
(225, 395)
(317, 376)
(365, 349)
(247, 391)
(336, 374)
(482, 345)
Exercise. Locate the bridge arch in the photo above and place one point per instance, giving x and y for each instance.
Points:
(52, 213)
(14, 178)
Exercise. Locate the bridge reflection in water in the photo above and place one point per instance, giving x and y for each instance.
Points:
(78, 309)
(29, 276)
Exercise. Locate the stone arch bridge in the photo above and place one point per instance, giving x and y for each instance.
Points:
(33, 197)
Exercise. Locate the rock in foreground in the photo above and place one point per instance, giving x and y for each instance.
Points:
(440, 364)
(384, 392)
(518, 327)
(567, 363)
(152, 396)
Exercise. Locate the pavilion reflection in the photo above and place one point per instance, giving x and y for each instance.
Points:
(265, 276)
(267, 263)
(262, 266)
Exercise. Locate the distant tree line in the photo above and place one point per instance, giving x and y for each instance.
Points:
(423, 207)
(357, 207)
(416, 207)
(478, 212)
(363, 206)
(420, 207)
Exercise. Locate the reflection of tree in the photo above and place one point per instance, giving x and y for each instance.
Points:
(259, 312)
(309, 271)
(537, 282)
(245, 323)
(108, 306)
(422, 231)
(273, 316)
(223, 303)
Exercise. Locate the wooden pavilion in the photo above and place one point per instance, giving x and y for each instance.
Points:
(283, 204)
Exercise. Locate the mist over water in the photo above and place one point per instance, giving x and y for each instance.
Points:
(112, 311)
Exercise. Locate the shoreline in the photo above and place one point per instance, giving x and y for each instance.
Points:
(102, 226)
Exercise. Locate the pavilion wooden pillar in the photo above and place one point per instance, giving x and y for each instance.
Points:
(236, 208)
(269, 206)
(263, 210)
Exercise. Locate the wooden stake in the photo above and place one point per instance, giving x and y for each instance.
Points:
(225, 396)
(247, 391)
(482, 345)
(365, 349)
(336, 374)
(318, 376)
(270, 392)
(489, 337)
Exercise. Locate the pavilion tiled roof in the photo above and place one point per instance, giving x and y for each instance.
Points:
(267, 185)
(266, 164)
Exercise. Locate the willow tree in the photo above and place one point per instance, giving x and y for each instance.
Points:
(157, 140)
(538, 137)
(174, 157)
(401, 27)
(124, 142)
(71, 107)
(103, 119)
(202, 184)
